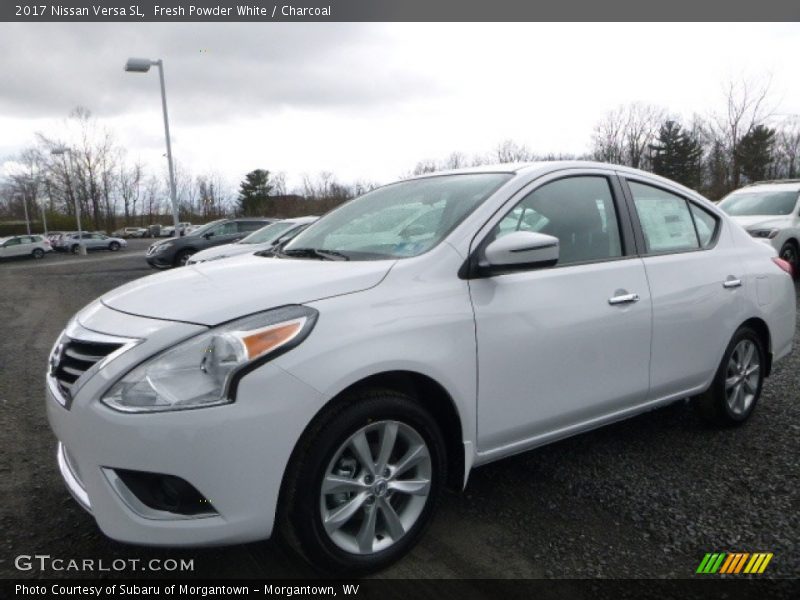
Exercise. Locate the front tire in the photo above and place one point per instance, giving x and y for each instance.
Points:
(183, 257)
(364, 483)
(113, 246)
(736, 388)
(790, 254)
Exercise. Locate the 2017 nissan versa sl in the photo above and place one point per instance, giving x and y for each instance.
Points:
(330, 392)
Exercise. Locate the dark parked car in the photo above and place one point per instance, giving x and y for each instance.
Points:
(175, 252)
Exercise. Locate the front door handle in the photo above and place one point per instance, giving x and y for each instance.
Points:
(623, 299)
(732, 282)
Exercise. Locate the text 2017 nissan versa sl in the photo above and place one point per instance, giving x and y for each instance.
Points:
(330, 392)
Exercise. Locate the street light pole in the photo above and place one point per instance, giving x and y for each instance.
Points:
(25, 208)
(61, 152)
(142, 65)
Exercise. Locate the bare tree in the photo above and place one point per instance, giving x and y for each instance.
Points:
(509, 151)
(746, 108)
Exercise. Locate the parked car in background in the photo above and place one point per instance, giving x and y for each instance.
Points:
(24, 245)
(262, 239)
(130, 232)
(169, 230)
(175, 252)
(52, 236)
(770, 211)
(91, 241)
(331, 392)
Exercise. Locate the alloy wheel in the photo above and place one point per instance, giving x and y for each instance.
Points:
(376, 487)
(742, 377)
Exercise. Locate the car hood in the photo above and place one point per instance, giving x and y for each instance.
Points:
(762, 221)
(218, 291)
(227, 250)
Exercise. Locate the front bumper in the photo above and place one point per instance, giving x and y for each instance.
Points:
(234, 455)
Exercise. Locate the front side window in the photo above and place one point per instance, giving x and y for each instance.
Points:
(743, 204)
(665, 218)
(12, 242)
(579, 211)
(396, 221)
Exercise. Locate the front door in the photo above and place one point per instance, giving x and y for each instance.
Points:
(562, 346)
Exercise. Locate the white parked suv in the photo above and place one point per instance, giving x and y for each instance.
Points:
(331, 393)
(770, 211)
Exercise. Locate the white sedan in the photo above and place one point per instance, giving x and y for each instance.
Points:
(263, 239)
(332, 391)
(24, 245)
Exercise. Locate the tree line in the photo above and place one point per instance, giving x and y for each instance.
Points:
(745, 141)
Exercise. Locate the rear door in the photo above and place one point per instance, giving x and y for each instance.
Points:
(562, 346)
(696, 284)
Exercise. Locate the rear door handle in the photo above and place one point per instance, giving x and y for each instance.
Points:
(623, 299)
(732, 282)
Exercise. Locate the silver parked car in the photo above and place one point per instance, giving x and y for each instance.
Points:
(92, 241)
(263, 239)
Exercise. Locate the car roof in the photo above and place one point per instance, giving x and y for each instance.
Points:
(531, 170)
(786, 185)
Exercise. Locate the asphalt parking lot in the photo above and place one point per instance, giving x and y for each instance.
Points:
(645, 498)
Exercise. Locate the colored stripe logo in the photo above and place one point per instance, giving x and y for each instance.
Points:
(732, 563)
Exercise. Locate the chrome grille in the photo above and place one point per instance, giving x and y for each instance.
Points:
(72, 358)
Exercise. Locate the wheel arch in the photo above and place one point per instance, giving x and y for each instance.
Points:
(762, 329)
(429, 393)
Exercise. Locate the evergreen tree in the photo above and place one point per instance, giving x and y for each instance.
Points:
(754, 153)
(254, 193)
(677, 154)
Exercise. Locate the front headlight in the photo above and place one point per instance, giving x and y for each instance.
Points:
(764, 233)
(204, 370)
(161, 247)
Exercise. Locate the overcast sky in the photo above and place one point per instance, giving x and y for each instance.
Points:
(367, 101)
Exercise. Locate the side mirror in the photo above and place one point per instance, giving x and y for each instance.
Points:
(208, 234)
(522, 250)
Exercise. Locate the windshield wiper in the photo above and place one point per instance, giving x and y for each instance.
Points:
(314, 253)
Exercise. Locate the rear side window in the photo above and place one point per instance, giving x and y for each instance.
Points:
(666, 221)
(705, 223)
(248, 226)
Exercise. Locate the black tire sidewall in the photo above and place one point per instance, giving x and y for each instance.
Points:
(796, 263)
(113, 246)
(182, 258)
(722, 405)
(38, 253)
(306, 520)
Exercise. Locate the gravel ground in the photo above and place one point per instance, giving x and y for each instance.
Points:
(646, 498)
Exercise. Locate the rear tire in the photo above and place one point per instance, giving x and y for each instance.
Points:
(75, 249)
(38, 253)
(736, 388)
(381, 506)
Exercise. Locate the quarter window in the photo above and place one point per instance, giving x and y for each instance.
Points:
(579, 211)
(705, 223)
(665, 218)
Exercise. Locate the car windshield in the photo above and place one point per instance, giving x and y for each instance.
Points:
(202, 229)
(268, 234)
(396, 221)
(759, 203)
